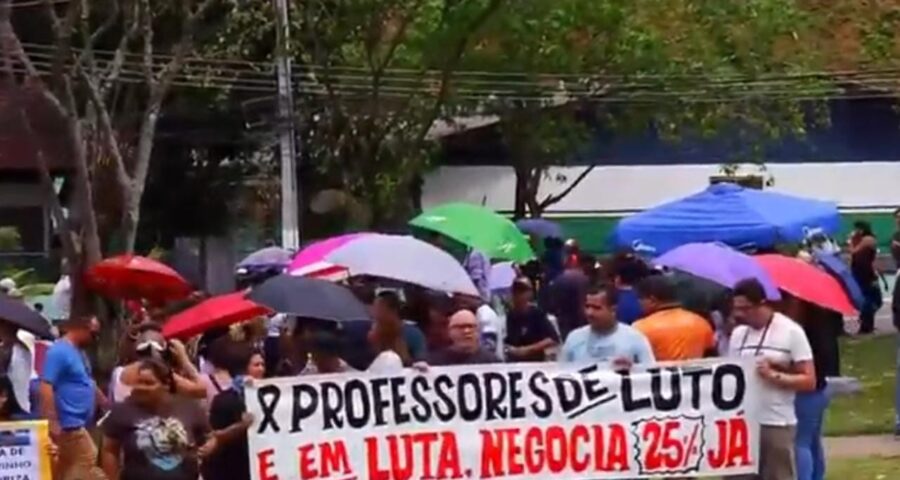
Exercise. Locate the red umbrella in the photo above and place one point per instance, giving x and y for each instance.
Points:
(807, 282)
(135, 277)
(220, 311)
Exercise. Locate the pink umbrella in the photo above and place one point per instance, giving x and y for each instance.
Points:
(310, 261)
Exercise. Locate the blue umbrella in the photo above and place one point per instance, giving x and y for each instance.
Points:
(841, 272)
(540, 228)
(730, 214)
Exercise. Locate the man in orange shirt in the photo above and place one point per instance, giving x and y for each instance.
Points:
(674, 333)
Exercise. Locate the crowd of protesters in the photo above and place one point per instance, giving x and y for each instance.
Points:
(176, 412)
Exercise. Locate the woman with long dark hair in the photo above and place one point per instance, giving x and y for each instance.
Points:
(155, 434)
(863, 253)
(229, 417)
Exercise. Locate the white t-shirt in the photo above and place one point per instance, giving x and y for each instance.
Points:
(492, 328)
(784, 342)
(386, 362)
(61, 300)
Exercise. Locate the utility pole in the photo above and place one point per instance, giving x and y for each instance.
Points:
(290, 221)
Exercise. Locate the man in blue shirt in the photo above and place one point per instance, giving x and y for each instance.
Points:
(604, 339)
(68, 397)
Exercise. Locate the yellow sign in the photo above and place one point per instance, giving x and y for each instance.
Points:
(25, 450)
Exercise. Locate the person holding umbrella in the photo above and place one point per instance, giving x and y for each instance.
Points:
(674, 332)
(785, 365)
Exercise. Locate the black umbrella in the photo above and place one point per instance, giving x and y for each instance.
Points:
(698, 295)
(309, 298)
(17, 313)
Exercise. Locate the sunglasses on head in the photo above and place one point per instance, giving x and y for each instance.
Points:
(150, 345)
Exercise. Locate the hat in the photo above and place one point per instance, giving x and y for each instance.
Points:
(7, 285)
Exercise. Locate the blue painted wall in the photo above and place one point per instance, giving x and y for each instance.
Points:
(860, 130)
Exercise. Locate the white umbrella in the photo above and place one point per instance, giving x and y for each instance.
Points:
(404, 259)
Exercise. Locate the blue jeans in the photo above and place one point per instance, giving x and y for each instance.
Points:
(810, 408)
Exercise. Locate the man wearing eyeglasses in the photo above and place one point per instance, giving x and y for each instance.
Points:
(465, 343)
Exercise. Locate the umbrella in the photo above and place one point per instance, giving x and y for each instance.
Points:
(479, 228)
(134, 277)
(834, 265)
(311, 260)
(718, 263)
(697, 294)
(502, 276)
(309, 298)
(17, 313)
(729, 214)
(269, 257)
(405, 259)
(806, 282)
(220, 311)
(540, 228)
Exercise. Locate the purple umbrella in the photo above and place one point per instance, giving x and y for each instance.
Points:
(269, 257)
(718, 263)
(502, 276)
(540, 228)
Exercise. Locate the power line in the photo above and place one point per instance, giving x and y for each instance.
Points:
(133, 71)
(531, 77)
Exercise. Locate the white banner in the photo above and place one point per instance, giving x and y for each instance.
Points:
(522, 421)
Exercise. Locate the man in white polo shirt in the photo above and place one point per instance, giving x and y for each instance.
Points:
(785, 365)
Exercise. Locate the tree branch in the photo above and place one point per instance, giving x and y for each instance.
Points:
(554, 199)
(453, 61)
(114, 68)
(146, 21)
(108, 131)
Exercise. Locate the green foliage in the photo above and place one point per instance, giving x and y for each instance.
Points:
(684, 67)
(10, 239)
(374, 75)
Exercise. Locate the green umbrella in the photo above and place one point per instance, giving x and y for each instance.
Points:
(477, 227)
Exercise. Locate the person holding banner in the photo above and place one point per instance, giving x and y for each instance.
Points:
(785, 365)
(465, 343)
(604, 339)
(386, 335)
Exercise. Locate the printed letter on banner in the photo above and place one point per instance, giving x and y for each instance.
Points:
(523, 421)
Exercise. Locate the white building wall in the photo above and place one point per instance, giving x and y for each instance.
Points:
(621, 189)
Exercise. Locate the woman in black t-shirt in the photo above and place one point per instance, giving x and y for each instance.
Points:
(230, 420)
(154, 434)
(863, 252)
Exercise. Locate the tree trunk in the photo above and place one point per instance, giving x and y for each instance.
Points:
(521, 204)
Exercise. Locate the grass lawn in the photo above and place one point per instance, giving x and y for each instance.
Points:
(872, 360)
(874, 468)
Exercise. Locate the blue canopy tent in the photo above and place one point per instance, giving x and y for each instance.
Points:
(726, 213)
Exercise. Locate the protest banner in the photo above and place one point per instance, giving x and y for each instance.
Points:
(522, 421)
(24, 450)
